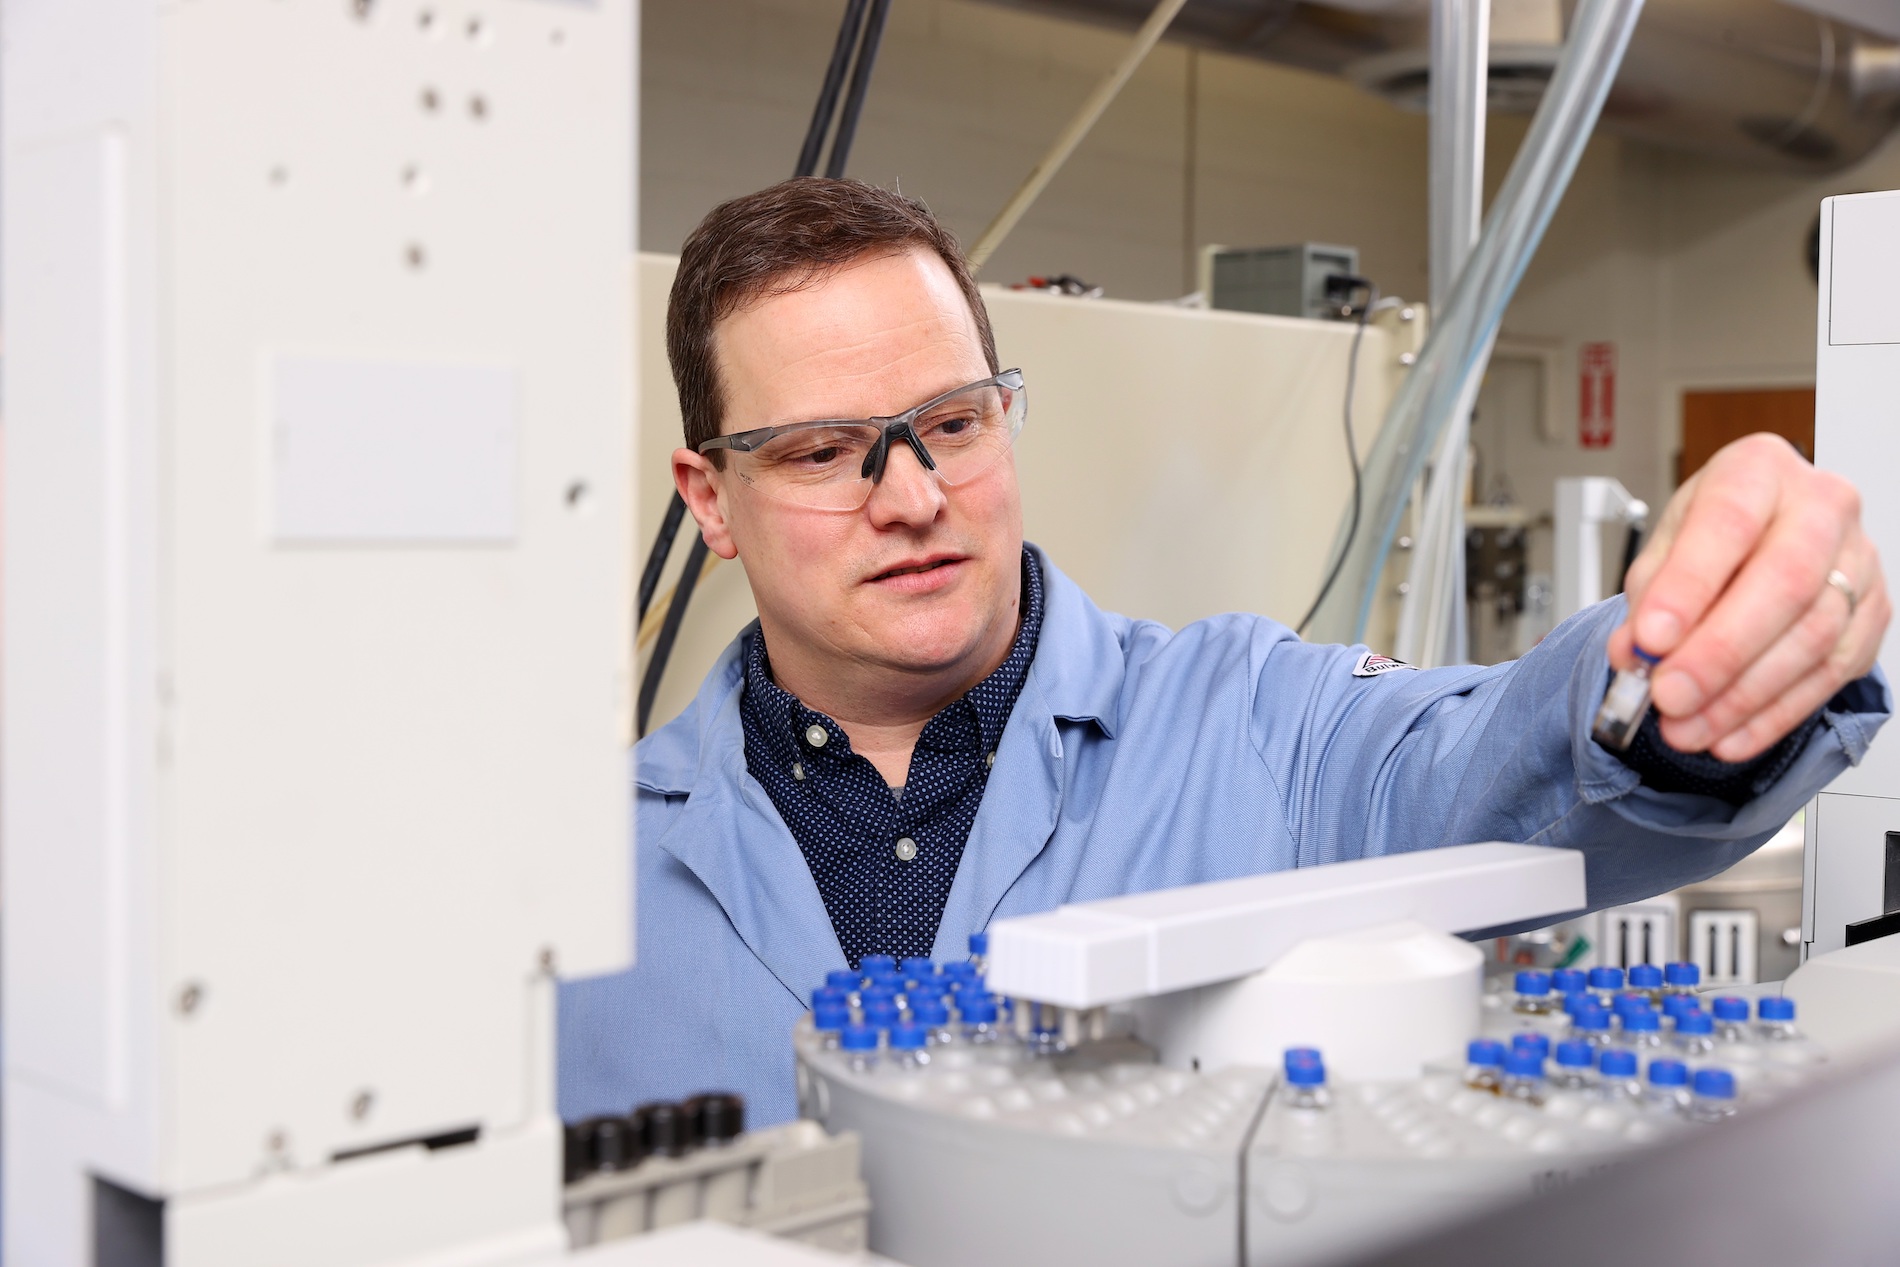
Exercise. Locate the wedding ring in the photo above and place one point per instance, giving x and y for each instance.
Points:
(1838, 579)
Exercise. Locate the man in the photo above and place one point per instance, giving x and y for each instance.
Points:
(931, 727)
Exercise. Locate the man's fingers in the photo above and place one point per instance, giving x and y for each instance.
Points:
(1821, 632)
(1721, 525)
(1799, 674)
(1775, 587)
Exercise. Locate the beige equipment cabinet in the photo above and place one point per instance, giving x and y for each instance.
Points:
(1177, 463)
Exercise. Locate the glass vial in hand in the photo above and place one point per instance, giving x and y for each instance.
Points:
(1625, 704)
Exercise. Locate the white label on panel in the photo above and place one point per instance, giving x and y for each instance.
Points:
(1865, 271)
(375, 452)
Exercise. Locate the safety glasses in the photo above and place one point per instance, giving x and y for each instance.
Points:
(834, 465)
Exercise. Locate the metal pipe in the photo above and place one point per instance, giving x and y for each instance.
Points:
(860, 84)
(1444, 381)
(1071, 136)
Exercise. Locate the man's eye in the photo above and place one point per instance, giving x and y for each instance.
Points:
(820, 457)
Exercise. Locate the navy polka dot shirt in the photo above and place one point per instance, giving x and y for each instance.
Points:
(884, 859)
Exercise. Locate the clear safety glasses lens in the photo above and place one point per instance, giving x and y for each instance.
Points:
(835, 465)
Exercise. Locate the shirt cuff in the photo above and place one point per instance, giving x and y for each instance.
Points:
(1663, 769)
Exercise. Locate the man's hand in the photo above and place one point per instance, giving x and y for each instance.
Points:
(1732, 592)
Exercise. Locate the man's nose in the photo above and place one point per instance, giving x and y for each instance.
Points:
(909, 494)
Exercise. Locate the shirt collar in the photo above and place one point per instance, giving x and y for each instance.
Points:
(788, 728)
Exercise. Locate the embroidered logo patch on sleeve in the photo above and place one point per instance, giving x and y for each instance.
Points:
(1371, 665)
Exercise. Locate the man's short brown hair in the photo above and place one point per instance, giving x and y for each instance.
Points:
(780, 239)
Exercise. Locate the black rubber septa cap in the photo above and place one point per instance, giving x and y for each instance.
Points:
(717, 1116)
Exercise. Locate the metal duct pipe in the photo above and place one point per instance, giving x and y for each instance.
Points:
(1750, 80)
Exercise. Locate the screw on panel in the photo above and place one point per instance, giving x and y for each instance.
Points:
(546, 959)
(278, 175)
(430, 101)
(478, 106)
(576, 495)
(478, 31)
(425, 21)
(415, 256)
(362, 8)
(414, 180)
(276, 1141)
(364, 1101)
(189, 998)
(557, 36)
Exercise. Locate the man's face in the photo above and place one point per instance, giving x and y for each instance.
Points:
(924, 578)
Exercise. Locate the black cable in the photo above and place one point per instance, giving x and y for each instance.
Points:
(1352, 454)
(860, 84)
(669, 633)
(827, 106)
(656, 558)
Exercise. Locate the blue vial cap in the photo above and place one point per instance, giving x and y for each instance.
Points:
(1533, 983)
(930, 1010)
(858, 1038)
(977, 1009)
(1644, 656)
(876, 994)
(1682, 974)
(880, 1013)
(1593, 1019)
(1568, 980)
(1485, 1051)
(908, 1037)
(1628, 1003)
(980, 943)
(1524, 1062)
(1777, 1008)
(1578, 1000)
(827, 1017)
(1646, 976)
(1606, 978)
(959, 970)
(1642, 1022)
(919, 990)
(1617, 1062)
(1716, 1084)
(1539, 1043)
(1676, 1004)
(1696, 1022)
(1306, 1073)
(843, 979)
(1730, 1008)
(1301, 1055)
(889, 978)
(1575, 1055)
(1668, 1073)
(916, 967)
(876, 963)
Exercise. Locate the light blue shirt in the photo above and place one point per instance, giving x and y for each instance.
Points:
(1138, 758)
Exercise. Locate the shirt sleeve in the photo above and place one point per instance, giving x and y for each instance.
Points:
(1416, 759)
(1736, 782)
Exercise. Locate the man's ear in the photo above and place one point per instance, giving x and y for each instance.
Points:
(700, 485)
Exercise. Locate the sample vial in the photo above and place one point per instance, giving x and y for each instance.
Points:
(1606, 983)
(1625, 704)
(1590, 1025)
(1668, 1086)
(1646, 979)
(829, 1020)
(1533, 994)
(1617, 1082)
(1642, 1031)
(1306, 1079)
(1575, 1067)
(1528, 1041)
(1523, 1076)
(1714, 1095)
(908, 1049)
(930, 1012)
(860, 1048)
(978, 1012)
(1777, 1021)
(1565, 982)
(1731, 1020)
(1695, 1035)
(1683, 978)
(1484, 1064)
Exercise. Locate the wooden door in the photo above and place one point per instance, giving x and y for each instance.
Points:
(1711, 419)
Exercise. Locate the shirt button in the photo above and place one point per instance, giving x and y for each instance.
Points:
(906, 849)
(990, 760)
(815, 735)
(798, 771)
